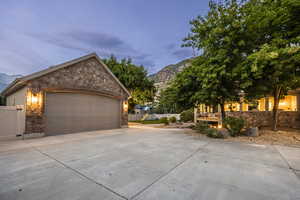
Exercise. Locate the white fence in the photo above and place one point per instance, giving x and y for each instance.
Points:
(136, 117)
(12, 121)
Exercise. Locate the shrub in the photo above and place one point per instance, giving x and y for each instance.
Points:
(173, 119)
(234, 125)
(164, 120)
(187, 115)
(200, 127)
(213, 133)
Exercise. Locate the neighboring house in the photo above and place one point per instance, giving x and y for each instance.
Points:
(79, 95)
(139, 109)
(289, 108)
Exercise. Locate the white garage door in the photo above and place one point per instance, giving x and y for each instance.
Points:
(71, 113)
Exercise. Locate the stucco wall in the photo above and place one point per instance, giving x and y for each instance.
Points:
(88, 75)
(17, 98)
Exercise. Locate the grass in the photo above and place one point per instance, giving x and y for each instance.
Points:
(148, 121)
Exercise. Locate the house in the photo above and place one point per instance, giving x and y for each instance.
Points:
(258, 113)
(140, 109)
(79, 95)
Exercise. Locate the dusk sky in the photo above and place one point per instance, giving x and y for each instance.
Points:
(36, 34)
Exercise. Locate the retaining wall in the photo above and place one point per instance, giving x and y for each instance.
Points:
(287, 119)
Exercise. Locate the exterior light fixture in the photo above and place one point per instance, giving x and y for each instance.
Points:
(34, 102)
(34, 99)
(125, 106)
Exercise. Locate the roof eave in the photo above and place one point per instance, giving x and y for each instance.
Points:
(25, 79)
(16, 83)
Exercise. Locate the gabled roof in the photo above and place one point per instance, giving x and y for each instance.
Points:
(19, 82)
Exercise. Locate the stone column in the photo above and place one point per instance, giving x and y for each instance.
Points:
(195, 114)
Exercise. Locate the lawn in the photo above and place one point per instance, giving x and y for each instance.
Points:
(148, 121)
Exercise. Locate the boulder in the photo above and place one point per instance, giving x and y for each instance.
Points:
(252, 132)
(224, 132)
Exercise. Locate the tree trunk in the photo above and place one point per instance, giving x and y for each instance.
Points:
(223, 113)
(275, 108)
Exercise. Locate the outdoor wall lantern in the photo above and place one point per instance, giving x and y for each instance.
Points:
(34, 102)
(125, 106)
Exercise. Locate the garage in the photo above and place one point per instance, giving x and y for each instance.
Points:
(73, 112)
(80, 95)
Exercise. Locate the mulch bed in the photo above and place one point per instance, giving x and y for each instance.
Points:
(287, 137)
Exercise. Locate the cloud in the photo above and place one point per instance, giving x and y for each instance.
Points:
(95, 39)
(102, 43)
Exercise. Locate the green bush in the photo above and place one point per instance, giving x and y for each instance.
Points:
(187, 115)
(201, 127)
(173, 119)
(213, 133)
(2, 101)
(164, 120)
(234, 125)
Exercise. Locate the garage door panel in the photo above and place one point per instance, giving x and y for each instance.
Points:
(70, 113)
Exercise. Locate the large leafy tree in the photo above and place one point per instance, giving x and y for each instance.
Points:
(275, 72)
(222, 37)
(247, 45)
(134, 78)
(273, 67)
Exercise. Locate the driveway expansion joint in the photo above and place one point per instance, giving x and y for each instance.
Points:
(169, 171)
(288, 164)
(80, 174)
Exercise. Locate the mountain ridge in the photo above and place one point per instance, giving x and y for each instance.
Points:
(168, 72)
(6, 79)
(164, 76)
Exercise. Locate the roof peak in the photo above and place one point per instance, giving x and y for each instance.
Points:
(53, 68)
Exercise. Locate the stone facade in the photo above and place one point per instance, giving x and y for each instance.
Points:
(287, 119)
(85, 76)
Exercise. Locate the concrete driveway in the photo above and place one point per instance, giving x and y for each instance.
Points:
(146, 163)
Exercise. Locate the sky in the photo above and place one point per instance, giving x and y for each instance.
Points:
(36, 34)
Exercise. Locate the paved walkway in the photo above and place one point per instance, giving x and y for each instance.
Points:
(146, 163)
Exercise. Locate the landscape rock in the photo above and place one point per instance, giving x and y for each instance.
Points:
(224, 132)
(252, 132)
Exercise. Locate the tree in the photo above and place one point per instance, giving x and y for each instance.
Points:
(278, 70)
(167, 101)
(247, 45)
(134, 78)
(179, 96)
(222, 37)
(273, 67)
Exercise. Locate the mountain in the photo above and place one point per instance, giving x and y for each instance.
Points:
(6, 79)
(166, 74)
